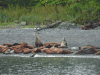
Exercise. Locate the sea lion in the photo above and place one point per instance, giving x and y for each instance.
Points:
(54, 50)
(49, 45)
(87, 50)
(63, 44)
(8, 51)
(38, 43)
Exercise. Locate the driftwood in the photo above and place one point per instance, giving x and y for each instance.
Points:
(50, 26)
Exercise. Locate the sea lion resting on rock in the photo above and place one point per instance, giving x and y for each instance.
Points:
(57, 51)
(52, 50)
(63, 44)
(49, 45)
(38, 43)
(88, 50)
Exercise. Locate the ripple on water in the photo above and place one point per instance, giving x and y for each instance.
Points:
(49, 66)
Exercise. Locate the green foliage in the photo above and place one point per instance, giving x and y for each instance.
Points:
(30, 19)
(36, 11)
(4, 17)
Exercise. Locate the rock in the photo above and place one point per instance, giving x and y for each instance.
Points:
(49, 45)
(22, 24)
(16, 21)
(8, 51)
(38, 43)
(33, 55)
(63, 44)
(75, 48)
(64, 25)
(12, 51)
(69, 26)
(98, 28)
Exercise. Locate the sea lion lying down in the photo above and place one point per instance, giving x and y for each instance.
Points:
(89, 49)
(52, 50)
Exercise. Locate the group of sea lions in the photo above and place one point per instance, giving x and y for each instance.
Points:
(48, 48)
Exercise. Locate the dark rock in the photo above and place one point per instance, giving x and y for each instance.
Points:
(16, 21)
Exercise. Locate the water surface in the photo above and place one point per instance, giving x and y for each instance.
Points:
(10, 65)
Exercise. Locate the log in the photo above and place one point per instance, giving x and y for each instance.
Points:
(50, 25)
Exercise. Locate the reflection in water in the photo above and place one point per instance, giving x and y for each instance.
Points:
(49, 66)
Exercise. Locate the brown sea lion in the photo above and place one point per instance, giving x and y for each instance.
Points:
(87, 50)
(63, 44)
(49, 45)
(38, 43)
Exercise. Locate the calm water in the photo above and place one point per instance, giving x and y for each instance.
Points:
(10, 65)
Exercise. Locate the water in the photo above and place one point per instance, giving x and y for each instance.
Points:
(14, 65)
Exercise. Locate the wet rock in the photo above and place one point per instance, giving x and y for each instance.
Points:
(8, 51)
(49, 45)
(38, 43)
(63, 44)
(75, 48)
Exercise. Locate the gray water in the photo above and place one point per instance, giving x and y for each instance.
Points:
(49, 66)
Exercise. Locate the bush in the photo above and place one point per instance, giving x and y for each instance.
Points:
(4, 17)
